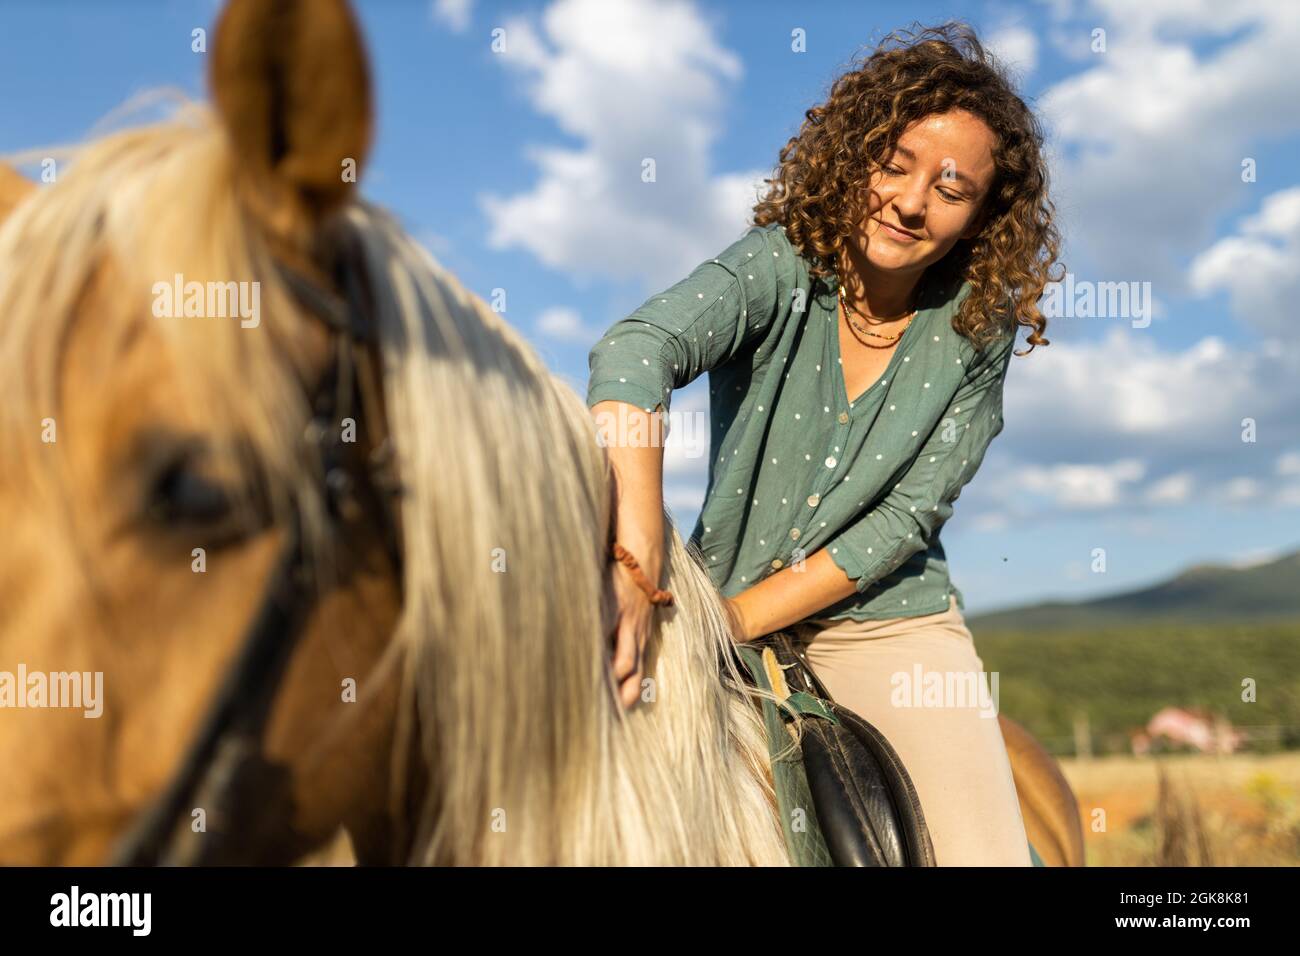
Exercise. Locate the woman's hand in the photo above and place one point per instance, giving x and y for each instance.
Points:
(631, 632)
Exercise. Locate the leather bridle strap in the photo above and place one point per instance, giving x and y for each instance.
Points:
(226, 753)
(238, 714)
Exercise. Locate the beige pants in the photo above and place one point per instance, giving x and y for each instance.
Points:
(918, 681)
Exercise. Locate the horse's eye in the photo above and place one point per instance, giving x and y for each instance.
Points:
(181, 495)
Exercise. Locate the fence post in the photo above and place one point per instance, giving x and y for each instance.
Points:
(1082, 736)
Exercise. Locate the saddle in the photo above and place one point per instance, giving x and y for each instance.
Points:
(844, 797)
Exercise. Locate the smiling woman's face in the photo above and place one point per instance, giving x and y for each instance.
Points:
(933, 186)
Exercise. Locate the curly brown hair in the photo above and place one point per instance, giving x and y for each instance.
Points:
(911, 75)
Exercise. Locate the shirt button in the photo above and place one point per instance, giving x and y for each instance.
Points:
(830, 462)
(776, 563)
(844, 418)
(794, 533)
(813, 500)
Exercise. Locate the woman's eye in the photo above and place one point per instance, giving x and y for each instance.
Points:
(950, 197)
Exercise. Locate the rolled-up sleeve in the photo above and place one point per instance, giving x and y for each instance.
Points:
(696, 325)
(906, 520)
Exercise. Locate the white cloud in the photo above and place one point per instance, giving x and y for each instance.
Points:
(1083, 486)
(686, 454)
(987, 521)
(1259, 267)
(560, 322)
(685, 502)
(1124, 390)
(1148, 139)
(1016, 47)
(1238, 490)
(1074, 410)
(1200, 16)
(1256, 556)
(453, 14)
(1125, 387)
(634, 81)
(1172, 489)
(1057, 10)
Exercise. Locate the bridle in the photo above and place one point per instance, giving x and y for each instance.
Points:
(224, 769)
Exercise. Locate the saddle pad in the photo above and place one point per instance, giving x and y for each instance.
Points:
(843, 782)
(803, 836)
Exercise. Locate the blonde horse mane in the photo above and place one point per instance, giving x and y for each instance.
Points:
(506, 509)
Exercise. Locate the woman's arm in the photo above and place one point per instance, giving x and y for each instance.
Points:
(902, 524)
(793, 594)
(906, 520)
(675, 336)
(696, 325)
(634, 440)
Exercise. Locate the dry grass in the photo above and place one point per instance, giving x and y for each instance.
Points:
(1189, 810)
(1144, 811)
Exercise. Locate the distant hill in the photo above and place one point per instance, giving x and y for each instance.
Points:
(1203, 593)
(1192, 641)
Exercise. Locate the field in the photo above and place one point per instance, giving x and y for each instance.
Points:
(1209, 811)
(1239, 810)
(1114, 679)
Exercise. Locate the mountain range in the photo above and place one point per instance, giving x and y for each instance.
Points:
(1201, 593)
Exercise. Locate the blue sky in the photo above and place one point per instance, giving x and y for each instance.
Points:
(520, 171)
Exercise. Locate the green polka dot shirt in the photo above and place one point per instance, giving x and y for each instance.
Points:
(794, 465)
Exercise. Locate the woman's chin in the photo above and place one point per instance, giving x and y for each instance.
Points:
(888, 260)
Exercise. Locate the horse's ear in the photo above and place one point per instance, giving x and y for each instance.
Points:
(291, 84)
(14, 188)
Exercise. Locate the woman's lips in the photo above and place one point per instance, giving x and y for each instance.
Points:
(894, 233)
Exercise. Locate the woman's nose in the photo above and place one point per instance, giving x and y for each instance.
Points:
(910, 199)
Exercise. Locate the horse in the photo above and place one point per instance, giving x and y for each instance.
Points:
(257, 436)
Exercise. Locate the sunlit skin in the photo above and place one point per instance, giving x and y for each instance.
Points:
(933, 186)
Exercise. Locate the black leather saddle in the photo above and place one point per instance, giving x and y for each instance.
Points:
(865, 806)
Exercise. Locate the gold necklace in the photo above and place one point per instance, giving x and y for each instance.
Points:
(848, 316)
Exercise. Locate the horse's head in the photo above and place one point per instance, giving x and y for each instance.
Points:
(180, 487)
(160, 362)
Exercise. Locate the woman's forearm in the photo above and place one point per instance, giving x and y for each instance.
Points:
(634, 440)
(792, 594)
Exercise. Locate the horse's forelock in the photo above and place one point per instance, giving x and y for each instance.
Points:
(150, 204)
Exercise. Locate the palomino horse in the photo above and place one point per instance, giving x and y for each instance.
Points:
(168, 477)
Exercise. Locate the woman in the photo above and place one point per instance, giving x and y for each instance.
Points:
(857, 339)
